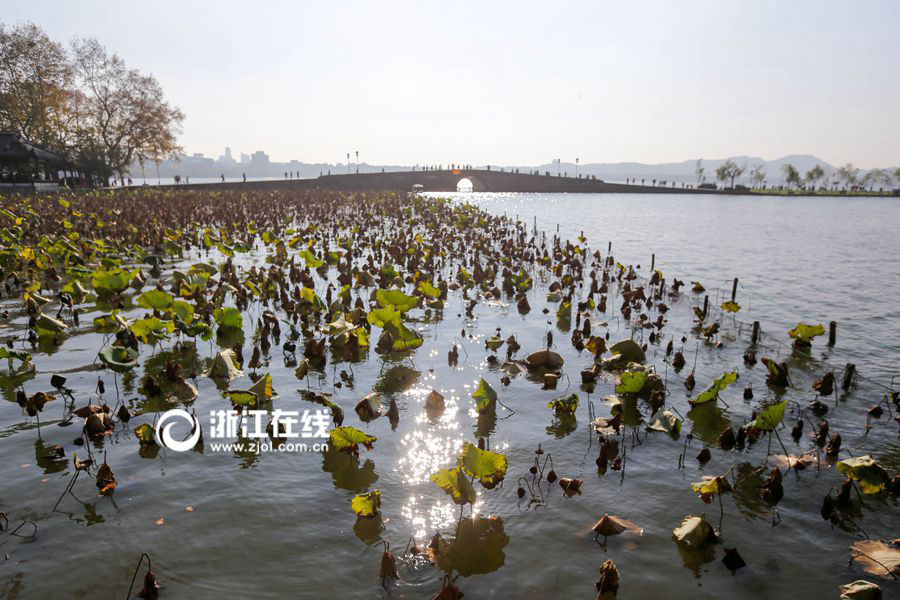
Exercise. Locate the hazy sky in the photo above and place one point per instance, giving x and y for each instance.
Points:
(513, 82)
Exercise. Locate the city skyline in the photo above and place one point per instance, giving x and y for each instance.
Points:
(408, 83)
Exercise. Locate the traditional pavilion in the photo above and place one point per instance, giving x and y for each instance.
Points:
(24, 165)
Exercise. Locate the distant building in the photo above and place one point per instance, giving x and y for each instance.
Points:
(196, 159)
(259, 158)
(245, 158)
(227, 159)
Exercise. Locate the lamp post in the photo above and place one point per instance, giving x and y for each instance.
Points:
(357, 162)
(348, 163)
(576, 167)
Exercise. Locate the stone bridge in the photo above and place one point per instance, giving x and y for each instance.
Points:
(448, 180)
(482, 180)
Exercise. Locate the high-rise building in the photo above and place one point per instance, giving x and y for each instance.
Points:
(259, 158)
(226, 159)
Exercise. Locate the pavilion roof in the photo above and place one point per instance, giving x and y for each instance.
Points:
(14, 147)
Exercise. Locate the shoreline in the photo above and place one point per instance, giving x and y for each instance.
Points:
(446, 181)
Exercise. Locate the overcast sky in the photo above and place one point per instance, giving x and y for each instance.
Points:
(513, 82)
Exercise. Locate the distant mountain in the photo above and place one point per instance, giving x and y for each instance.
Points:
(684, 171)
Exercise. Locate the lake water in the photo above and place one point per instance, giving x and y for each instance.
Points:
(279, 525)
(811, 259)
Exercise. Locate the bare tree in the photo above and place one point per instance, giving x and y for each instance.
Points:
(35, 85)
(848, 174)
(758, 175)
(699, 170)
(729, 171)
(128, 118)
(876, 176)
(791, 175)
(814, 175)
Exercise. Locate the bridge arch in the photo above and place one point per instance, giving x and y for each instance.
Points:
(465, 185)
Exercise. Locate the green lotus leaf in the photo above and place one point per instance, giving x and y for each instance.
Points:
(718, 385)
(309, 258)
(455, 483)
(404, 339)
(309, 296)
(362, 337)
(488, 467)
(382, 316)
(395, 298)
(769, 417)
(183, 311)
(228, 317)
(348, 439)
(711, 486)
(426, 289)
(628, 351)
(631, 382)
(485, 397)
(155, 300)
(19, 355)
(197, 328)
(242, 398)
(872, 477)
(111, 282)
(731, 306)
(806, 332)
(48, 326)
(151, 330)
(118, 359)
(202, 267)
(564, 312)
(76, 290)
(623, 354)
(367, 505)
(110, 323)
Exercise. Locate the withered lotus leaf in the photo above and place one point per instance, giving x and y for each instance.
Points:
(877, 557)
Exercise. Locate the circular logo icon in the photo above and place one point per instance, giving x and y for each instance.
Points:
(164, 430)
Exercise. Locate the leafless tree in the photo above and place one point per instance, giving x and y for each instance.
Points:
(127, 118)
